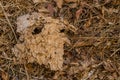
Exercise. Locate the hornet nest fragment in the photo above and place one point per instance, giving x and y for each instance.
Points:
(41, 40)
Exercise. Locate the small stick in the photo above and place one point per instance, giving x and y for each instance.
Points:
(115, 52)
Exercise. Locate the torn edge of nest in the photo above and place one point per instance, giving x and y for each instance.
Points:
(46, 45)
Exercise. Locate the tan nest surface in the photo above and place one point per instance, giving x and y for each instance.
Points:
(41, 40)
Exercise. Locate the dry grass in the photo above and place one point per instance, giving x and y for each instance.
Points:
(95, 50)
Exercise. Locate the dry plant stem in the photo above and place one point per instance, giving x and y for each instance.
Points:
(95, 38)
(89, 75)
(99, 37)
(1, 69)
(8, 21)
(115, 52)
(27, 75)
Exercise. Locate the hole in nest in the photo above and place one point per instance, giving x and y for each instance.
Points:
(37, 30)
(1, 31)
(55, 52)
(62, 30)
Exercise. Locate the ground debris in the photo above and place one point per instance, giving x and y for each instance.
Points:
(94, 50)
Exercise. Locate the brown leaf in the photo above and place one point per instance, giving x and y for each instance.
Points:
(59, 3)
(51, 9)
(80, 44)
(78, 13)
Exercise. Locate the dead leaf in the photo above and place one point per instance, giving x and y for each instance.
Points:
(81, 44)
(59, 3)
(78, 13)
(51, 9)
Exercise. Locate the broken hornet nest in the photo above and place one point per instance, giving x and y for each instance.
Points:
(41, 40)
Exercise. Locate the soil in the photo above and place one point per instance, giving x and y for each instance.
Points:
(94, 45)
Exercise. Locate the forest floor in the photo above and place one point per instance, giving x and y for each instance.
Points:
(94, 49)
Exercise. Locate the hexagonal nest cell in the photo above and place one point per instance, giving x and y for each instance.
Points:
(41, 40)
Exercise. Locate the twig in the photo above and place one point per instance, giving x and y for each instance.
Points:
(26, 72)
(98, 37)
(95, 37)
(8, 21)
(89, 75)
(115, 52)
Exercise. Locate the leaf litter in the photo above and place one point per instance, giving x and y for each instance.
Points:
(93, 53)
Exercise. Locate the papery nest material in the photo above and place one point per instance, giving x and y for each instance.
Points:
(41, 40)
